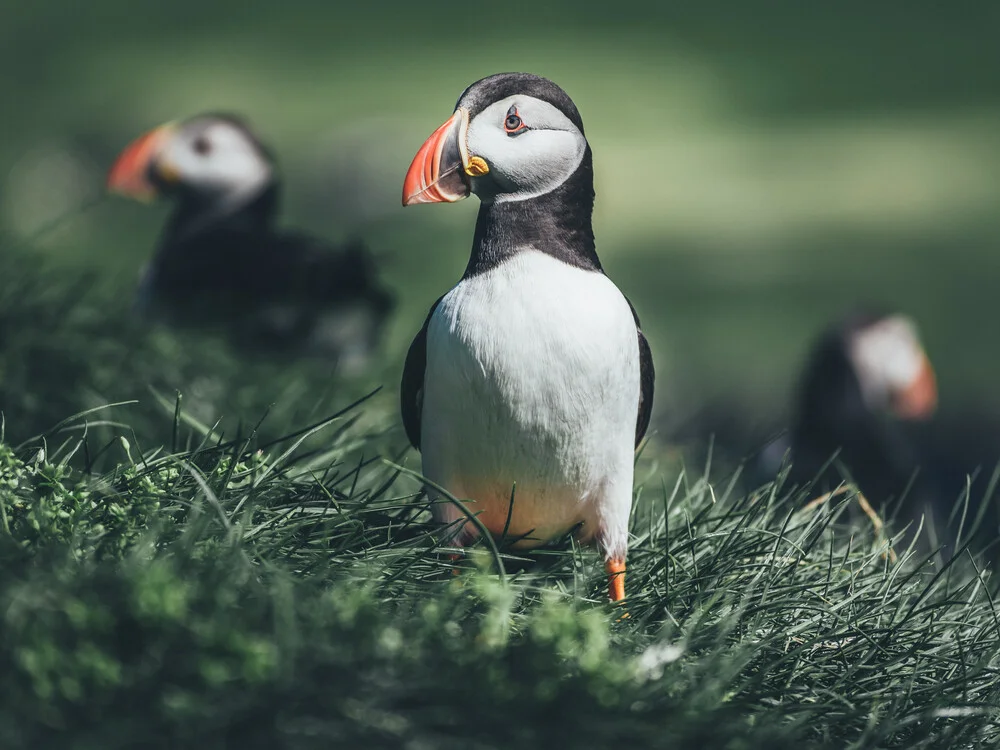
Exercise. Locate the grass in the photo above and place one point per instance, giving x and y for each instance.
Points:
(220, 552)
(233, 596)
(276, 581)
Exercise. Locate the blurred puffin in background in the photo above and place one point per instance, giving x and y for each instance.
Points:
(221, 262)
(865, 376)
(865, 410)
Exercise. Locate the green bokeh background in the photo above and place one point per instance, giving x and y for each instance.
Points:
(760, 166)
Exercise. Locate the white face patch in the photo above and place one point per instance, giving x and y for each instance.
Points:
(888, 358)
(528, 163)
(218, 161)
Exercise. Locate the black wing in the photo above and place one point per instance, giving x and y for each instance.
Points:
(411, 388)
(322, 274)
(238, 269)
(646, 377)
(269, 290)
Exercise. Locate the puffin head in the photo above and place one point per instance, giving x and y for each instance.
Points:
(212, 159)
(512, 137)
(870, 361)
(892, 368)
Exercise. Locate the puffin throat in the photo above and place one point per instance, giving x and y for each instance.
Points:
(194, 215)
(558, 223)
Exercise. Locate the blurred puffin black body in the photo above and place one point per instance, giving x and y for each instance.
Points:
(869, 390)
(222, 263)
(531, 375)
(864, 387)
(863, 376)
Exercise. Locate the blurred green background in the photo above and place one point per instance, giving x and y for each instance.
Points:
(760, 166)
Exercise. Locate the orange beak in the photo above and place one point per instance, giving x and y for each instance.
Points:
(919, 399)
(438, 171)
(130, 174)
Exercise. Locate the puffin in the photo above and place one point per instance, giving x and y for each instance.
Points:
(865, 394)
(530, 385)
(222, 262)
(869, 389)
(866, 376)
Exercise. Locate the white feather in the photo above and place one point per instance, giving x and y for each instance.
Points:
(230, 173)
(888, 358)
(532, 378)
(532, 163)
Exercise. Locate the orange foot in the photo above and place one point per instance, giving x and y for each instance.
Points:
(616, 579)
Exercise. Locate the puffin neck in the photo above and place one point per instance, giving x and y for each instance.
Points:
(557, 223)
(193, 216)
(829, 393)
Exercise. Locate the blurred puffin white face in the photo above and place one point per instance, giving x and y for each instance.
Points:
(529, 146)
(888, 358)
(216, 159)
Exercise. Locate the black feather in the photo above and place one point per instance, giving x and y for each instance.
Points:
(411, 388)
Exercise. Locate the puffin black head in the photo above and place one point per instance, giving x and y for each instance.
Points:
(214, 159)
(878, 355)
(513, 137)
(500, 86)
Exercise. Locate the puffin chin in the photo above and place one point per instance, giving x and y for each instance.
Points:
(440, 171)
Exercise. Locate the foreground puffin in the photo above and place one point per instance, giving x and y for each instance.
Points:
(530, 384)
(221, 261)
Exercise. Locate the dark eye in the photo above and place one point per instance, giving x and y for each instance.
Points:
(513, 123)
(202, 145)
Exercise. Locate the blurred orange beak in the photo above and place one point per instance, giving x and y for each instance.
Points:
(919, 399)
(130, 173)
(438, 171)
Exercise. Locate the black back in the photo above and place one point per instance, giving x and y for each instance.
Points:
(262, 287)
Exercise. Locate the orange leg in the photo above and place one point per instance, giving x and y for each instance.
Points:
(616, 579)
(454, 558)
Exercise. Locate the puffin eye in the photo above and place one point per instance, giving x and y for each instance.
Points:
(513, 124)
(202, 145)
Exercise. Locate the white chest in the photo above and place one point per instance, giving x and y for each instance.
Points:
(532, 377)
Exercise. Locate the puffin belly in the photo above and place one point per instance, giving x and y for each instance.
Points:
(532, 380)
